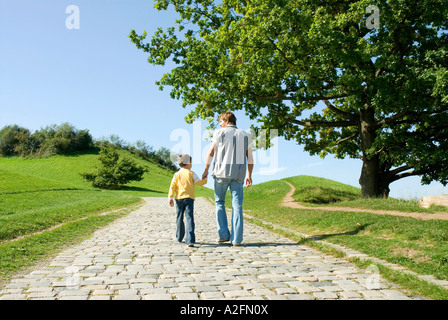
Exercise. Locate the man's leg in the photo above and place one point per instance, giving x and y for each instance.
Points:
(236, 189)
(221, 216)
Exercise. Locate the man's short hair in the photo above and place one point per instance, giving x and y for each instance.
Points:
(228, 116)
(183, 159)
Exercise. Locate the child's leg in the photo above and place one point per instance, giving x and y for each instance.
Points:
(180, 208)
(189, 217)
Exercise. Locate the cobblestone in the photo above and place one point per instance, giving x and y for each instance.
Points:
(138, 258)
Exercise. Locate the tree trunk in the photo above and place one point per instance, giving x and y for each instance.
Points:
(384, 187)
(370, 179)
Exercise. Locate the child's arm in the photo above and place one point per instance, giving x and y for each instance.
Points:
(173, 191)
(198, 181)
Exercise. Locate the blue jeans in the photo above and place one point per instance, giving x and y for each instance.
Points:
(185, 207)
(236, 191)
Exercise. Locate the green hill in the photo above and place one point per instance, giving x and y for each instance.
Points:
(419, 245)
(37, 193)
(45, 204)
(62, 172)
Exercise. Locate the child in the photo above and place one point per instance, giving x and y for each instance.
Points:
(182, 188)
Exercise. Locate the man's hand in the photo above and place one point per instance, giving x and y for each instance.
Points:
(248, 181)
(171, 202)
(205, 174)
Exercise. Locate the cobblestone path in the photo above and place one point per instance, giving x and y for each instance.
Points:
(137, 257)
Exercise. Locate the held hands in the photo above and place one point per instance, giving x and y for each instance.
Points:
(205, 174)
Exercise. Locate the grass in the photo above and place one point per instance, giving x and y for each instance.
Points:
(419, 245)
(17, 256)
(314, 191)
(45, 205)
(26, 213)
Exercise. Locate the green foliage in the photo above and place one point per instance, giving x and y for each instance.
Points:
(51, 140)
(114, 170)
(14, 140)
(161, 157)
(317, 73)
(65, 139)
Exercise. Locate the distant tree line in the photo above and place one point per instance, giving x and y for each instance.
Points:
(51, 140)
(161, 157)
(65, 139)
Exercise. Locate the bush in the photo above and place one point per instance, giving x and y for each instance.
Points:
(162, 157)
(114, 171)
(62, 139)
(12, 139)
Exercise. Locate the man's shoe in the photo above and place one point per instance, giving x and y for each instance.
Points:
(236, 244)
(191, 244)
(223, 240)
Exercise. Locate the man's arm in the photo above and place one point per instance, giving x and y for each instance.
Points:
(250, 167)
(208, 161)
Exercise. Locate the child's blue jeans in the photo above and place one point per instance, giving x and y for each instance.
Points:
(185, 207)
(236, 191)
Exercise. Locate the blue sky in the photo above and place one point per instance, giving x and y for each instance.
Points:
(95, 78)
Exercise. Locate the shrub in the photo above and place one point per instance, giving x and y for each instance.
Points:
(114, 171)
(63, 139)
(51, 140)
(12, 138)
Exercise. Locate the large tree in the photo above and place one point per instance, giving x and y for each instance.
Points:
(336, 76)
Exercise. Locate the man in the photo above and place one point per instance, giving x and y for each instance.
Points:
(232, 151)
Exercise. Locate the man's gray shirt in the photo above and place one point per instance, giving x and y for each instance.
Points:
(231, 145)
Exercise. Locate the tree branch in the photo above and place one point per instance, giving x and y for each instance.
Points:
(281, 52)
(314, 124)
(411, 173)
(396, 118)
(346, 115)
(316, 98)
(400, 169)
(346, 138)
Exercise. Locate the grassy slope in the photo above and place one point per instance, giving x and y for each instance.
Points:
(63, 172)
(419, 245)
(38, 194)
(314, 191)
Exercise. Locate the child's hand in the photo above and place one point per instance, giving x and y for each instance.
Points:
(171, 202)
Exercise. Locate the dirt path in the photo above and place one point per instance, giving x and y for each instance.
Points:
(289, 201)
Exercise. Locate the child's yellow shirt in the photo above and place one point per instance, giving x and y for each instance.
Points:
(182, 185)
